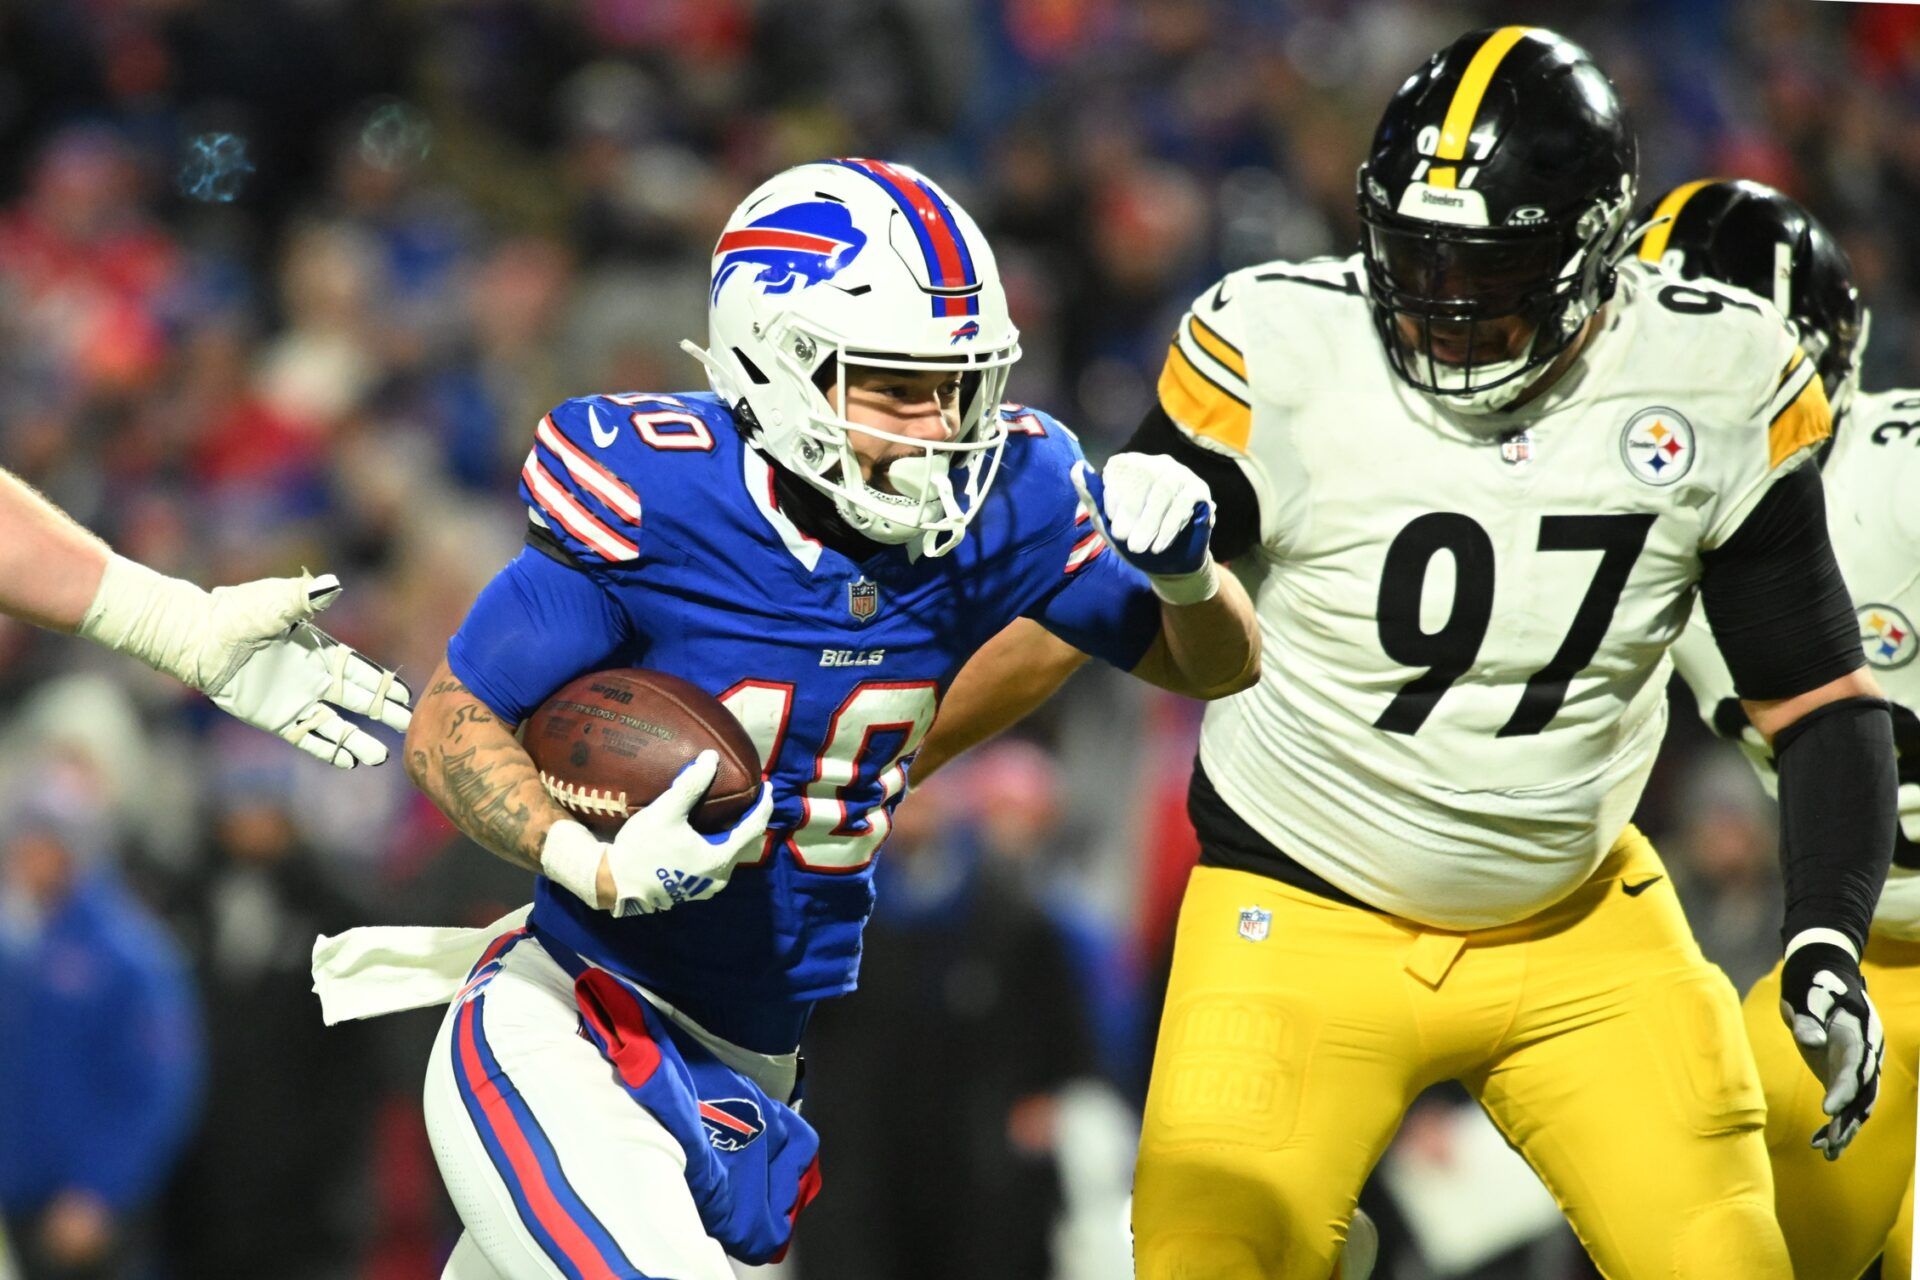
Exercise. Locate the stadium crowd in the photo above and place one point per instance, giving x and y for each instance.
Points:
(289, 282)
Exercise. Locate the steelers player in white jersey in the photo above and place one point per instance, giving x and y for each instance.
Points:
(1750, 236)
(1477, 477)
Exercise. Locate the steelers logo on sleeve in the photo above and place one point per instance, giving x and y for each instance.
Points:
(1887, 636)
(1657, 446)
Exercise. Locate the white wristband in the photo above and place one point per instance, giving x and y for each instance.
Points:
(1187, 588)
(149, 616)
(1832, 937)
(570, 858)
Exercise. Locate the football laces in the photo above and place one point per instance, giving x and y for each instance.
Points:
(594, 801)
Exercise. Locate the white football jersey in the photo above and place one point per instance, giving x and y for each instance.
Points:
(1465, 634)
(1873, 514)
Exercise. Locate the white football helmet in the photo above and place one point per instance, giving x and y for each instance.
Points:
(862, 263)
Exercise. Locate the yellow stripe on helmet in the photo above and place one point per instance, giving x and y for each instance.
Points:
(1467, 97)
(1654, 244)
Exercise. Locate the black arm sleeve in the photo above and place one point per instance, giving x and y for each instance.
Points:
(1236, 511)
(542, 539)
(1839, 810)
(1775, 599)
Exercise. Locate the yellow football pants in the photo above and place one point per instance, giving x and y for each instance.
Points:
(1605, 1047)
(1837, 1215)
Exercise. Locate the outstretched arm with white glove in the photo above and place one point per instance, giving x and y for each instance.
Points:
(1153, 512)
(248, 647)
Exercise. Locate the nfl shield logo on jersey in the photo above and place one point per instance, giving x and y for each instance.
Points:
(863, 599)
(1516, 450)
(1254, 923)
(1887, 636)
(1657, 446)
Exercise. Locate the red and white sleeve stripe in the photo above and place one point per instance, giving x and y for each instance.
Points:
(593, 477)
(1089, 548)
(1090, 545)
(574, 518)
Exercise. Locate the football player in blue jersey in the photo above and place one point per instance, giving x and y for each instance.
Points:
(820, 542)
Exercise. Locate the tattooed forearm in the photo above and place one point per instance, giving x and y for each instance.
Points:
(467, 714)
(468, 762)
(479, 791)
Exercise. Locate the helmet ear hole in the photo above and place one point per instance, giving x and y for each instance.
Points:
(751, 369)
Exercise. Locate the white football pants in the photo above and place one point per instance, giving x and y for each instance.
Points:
(557, 1173)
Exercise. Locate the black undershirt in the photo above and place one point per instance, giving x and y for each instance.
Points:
(816, 516)
(1227, 841)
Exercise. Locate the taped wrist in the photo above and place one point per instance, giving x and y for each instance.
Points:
(1187, 588)
(149, 616)
(1838, 797)
(570, 857)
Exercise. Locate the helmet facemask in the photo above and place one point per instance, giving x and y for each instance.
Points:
(927, 497)
(1474, 316)
(1838, 356)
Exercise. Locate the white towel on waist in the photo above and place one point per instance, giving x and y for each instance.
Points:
(366, 972)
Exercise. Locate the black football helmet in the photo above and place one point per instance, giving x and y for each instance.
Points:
(1494, 203)
(1750, 236)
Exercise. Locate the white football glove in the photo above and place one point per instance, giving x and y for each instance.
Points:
(251, 649)
(1157, 515)
(657, 860)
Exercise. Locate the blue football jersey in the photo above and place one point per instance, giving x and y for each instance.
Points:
(659, 542)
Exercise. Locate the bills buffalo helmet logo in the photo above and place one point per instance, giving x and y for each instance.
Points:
(731, 1123)
(792, 247)
(971, 329)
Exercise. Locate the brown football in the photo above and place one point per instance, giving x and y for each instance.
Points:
(609, 742)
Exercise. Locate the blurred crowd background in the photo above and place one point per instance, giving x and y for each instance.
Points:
(288, 282)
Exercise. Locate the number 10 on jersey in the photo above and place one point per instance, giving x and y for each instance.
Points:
(859, 771)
